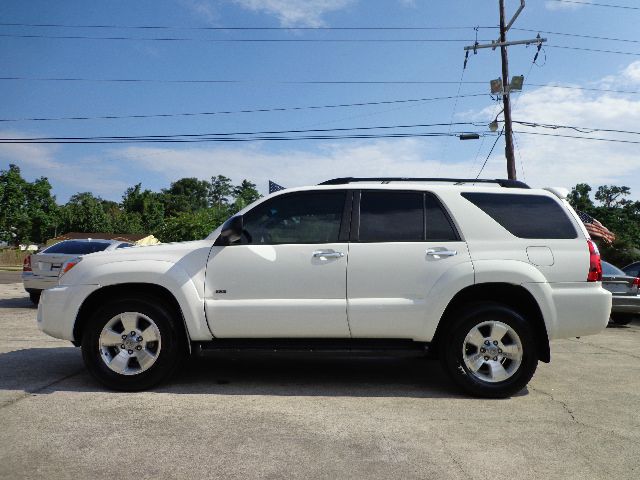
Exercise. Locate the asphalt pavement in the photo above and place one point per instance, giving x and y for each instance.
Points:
(307, 417)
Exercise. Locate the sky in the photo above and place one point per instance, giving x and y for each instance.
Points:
(198, 63)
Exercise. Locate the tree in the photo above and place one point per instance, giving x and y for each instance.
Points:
(85, 213)
(220, 189)
(612, 196)
(191, 225)
(146, 205)
(28, 212)
(244, 194)
(618, 214)
(579, 197)
(185, 195)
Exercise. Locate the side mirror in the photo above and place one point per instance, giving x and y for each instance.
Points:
(231, 231)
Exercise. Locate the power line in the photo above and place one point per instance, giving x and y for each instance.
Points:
(223, 81)
(300, 40)
(576, 35)
(230, 134)
(572, 127)
(584, 49)
(490, 152)
(593, 4)
(244, 40)
(230, 112)
(176, 27)
(304, 82)
(88, 140)
(612, 140)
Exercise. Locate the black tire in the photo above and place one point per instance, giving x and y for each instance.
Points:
(35, 297)
(621, 318)
(452, 354)
(170, 354)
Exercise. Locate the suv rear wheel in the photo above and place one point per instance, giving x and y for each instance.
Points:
(132, 344)
(489, 350)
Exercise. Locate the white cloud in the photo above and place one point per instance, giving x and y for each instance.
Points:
(632, 72)
(204, 9)
(558, 161)
(296, 13)
(560, 5)
(41, 160)
(402, 157)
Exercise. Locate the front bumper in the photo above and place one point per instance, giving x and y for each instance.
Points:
(626, 304)
(58, 309)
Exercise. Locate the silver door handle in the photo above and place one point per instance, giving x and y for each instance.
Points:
(325, 254)
(432, 252)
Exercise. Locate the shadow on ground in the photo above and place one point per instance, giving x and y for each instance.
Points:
(60, 369)
(17, 302)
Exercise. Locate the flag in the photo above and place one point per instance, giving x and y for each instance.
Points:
(595, 228)
(274, 187)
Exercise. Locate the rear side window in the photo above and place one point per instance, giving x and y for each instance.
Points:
(403, 217)
(438, 226)
(391, 217)
(525, 216)
(125, 245)
(76, 247)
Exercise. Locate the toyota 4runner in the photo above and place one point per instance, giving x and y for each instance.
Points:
(481, 273)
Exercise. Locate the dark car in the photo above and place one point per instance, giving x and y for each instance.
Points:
(633, 269)
(624, 288)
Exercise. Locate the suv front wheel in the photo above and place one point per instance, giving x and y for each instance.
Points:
(132, 344)
(489, 350)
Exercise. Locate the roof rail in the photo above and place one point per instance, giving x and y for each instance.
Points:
(458, 181)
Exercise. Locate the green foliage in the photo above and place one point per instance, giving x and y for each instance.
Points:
(618, 214)
(28, 211)
(192, 225)
(185, 195)
(189, 209)
(245, 194)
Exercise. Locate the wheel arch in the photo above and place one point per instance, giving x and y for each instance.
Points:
(514, 296)
(128, 290)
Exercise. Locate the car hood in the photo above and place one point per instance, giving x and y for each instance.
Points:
(191, 257)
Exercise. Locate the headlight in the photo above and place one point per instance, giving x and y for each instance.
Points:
(68, 265)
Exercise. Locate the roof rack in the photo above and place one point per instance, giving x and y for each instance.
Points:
(458, 181)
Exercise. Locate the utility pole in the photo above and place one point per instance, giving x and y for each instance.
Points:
(506, 86)
(506, 99)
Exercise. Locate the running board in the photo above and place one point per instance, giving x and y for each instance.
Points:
(382, 346)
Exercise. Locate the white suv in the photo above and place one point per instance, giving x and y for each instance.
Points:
(481, 273)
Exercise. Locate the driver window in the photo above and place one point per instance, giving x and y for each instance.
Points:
(302, 217)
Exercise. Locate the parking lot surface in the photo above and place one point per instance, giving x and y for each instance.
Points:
(307, 417)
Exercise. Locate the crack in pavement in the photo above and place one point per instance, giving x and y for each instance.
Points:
(604, 348)
(40, 389)
(553, 399)
(570, 412)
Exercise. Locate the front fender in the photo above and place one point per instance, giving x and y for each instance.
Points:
(166, 274)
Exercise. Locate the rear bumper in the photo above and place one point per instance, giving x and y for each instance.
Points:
(37, 282)
(626, 304)
(58, 309)
(572, 309)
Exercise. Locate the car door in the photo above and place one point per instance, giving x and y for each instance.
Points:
(403, 244)
(286, 276)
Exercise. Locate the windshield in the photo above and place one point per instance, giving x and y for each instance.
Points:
(77, 247)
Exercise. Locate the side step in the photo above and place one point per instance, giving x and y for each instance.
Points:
(361, 346)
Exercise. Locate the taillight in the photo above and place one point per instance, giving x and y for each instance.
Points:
(68, 265)
(595, 265)
(26, 264)
(636, 282)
